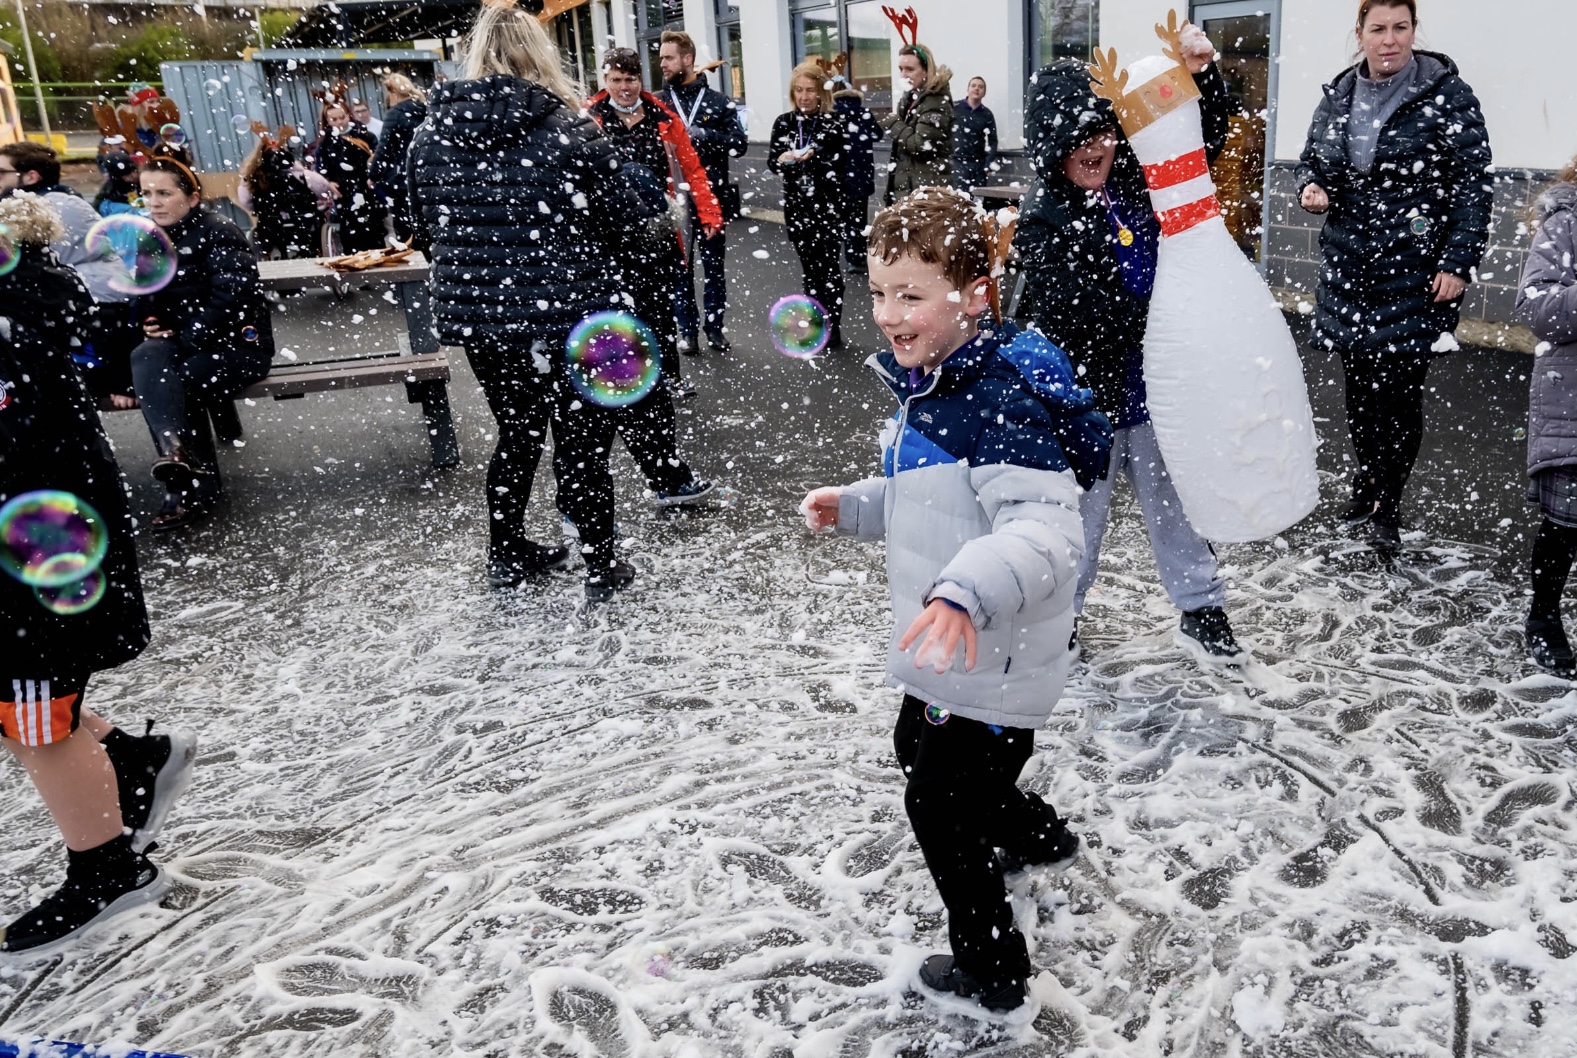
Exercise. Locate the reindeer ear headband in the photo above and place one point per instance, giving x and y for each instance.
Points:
(908, 26)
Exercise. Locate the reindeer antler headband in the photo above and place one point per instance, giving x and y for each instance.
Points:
(908, 26)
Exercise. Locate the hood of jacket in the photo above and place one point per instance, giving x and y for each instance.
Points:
(851, 98)
(1561, 197)
(939, 83)
(1062, 114)
(478, 114)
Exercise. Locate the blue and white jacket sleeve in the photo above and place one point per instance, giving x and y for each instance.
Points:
(1037, 535)
(862, 509)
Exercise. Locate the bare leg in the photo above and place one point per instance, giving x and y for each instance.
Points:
(77, 782)
(95, 724)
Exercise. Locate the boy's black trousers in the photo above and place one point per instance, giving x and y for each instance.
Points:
(964, 804)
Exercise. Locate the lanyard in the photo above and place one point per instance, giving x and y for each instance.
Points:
(801, 138)
(1124, 233)
(700, 97)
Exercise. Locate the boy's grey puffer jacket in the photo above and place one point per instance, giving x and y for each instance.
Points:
(1547, 303)
(980, 507)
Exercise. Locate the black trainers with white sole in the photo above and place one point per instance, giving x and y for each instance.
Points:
(940, 973)
(151, 773)
(100, 884)
(1207, 635)
(695, 492)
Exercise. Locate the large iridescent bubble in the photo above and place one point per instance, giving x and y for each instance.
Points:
(50, 538)
(799, 326)
(143, 248)
(613, 359)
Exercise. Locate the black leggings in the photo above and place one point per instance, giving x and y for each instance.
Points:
(816, 240)
(964, 804)
(526, 403)
(1554, 550)
(1385, 416)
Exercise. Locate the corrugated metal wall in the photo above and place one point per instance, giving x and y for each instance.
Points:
(219, 100)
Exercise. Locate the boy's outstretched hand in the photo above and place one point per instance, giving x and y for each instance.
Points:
(820, 508)
(947, 624)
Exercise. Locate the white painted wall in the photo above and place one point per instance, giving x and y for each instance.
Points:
(979, 38)
(1517, 55)
(768, 58)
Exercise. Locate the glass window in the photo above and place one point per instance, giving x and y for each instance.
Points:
(871, 53)
(1063, 29)
(816, 34)
(733, 53)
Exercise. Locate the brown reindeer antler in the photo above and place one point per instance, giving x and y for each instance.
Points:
(1107, 81)
(907, 24)
(840, 62)
(104, 117)
(1171, 35)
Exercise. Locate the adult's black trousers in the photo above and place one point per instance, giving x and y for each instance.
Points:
(1385, 418)
(818, 241)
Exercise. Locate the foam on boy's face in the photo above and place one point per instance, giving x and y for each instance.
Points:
(922, 313)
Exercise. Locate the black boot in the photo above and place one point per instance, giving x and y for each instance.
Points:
(606, 575)
(100, 883)
(941, 973)
(509, 565)
(1548, 646)
(1207, 635)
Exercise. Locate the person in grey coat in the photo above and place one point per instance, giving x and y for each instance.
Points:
(1547, 303)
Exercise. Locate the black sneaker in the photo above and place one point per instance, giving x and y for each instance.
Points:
(718, 341)
(1063, 855)
(694, 492)
(1207, 635)
(533, 559)
(941, 974)
(151, 773)
(1358, 512)
(1385, 533)
(1549, 648)
(602, 584)
(100, 884)
(680, 389)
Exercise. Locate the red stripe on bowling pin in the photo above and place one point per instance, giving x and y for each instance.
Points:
(1177, 171)
(1172, 176)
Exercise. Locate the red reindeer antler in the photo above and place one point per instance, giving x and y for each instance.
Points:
(907, 24)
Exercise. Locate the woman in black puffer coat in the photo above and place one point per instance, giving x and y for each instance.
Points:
(522, 200)
(407, 109)
(208, 337)
(1398, 159)
(809, 150)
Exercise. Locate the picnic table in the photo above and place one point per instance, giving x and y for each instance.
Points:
(419, 363)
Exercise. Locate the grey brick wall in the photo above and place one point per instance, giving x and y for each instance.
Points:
(1293, 247)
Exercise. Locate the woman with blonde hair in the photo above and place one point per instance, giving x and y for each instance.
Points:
(809, 151)
(522, 201)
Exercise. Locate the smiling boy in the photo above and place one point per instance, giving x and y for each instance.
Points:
(984, 464)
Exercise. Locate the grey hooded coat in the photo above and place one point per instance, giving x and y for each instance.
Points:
(1547, 303)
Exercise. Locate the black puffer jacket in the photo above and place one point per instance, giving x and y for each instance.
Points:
(523, 201)
(1423, 208)
(715, 132)
(812, 189)
(215, 302)
(51, 438)
(387, 170)
(1075, 284)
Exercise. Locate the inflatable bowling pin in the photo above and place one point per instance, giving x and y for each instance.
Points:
(1225, 384)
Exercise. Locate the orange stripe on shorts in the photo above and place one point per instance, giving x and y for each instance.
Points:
(34, 718)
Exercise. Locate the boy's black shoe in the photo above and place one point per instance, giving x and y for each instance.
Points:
(1385, 533)
(1208, 636)
(689, 345)
(1063, 854)
(718, 340)
(940, 973)
(604, 582)
(100, 883)
(529, 560)
(151, 773)
(1549, 648)
(1358, 512)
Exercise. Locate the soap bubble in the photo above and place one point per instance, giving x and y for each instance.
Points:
(172, 134)
(79, 596)
(241, 123)
(142, 247)
(936, 715)
(798, 326)
(212, 86)
(613, 359)
(10, 253)
(1520, 434)
(50, 538)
